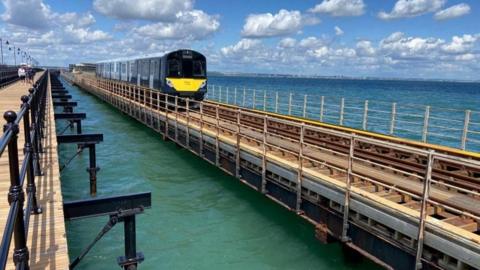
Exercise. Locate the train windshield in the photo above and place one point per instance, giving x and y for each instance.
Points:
(186, 66)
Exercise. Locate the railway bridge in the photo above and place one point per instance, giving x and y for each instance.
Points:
(403, 204)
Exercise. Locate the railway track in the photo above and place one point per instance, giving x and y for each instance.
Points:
(454, 185)
(379, 167)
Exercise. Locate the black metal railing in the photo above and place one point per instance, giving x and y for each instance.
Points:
(8, 75)
(32, 112)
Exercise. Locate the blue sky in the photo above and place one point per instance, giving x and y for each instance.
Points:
(394, 38)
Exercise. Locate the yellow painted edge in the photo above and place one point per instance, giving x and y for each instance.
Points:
(363, 132)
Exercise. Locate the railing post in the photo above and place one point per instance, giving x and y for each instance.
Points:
(423, 211)
(466, 123)
(235, 96)
(176, 119)
(237, 156)
(213, 92)
(425, 123)
(165, 134)
(28, 153)
(348, 184)
(264, 100)
(264, 155)
(365, 115)
(276, 102)
(304, 106)
(254, 99)
(244, 95)
(187, 140)
(217, 135)
(322, 103)
(392, 119)
(227, 94)
(220, 94)
(342, 108)
(36, 157)
(200, 148)
(290, 104)
(300, 169)
(15, 194)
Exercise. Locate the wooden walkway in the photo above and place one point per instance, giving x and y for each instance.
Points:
(47, 240)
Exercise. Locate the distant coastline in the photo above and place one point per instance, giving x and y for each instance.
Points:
(339, 77)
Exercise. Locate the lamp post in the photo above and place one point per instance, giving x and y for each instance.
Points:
(1, 48)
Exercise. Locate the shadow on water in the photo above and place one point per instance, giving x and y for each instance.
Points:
(201, 217)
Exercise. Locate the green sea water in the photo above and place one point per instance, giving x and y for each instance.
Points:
(201, 218)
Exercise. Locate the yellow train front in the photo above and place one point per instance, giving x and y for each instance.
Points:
(182, 72)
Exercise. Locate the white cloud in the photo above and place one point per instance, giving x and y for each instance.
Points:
(411, 8)
(269, 25)
(338, 31)
(340, 7)
(398, 45)
(84, 35)
(243, 45)
(453, 12)
(365, 48)
(287, 43)
(192, 25)
(32, 14)
(396, 55)
(155, 10)
(461, 44)
(84, 20)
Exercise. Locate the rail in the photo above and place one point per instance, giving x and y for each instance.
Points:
(31, 113)
(449, 127)
(8, 75)
(353, 162)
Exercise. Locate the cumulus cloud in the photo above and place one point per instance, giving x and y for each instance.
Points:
(340, 7)
(155, 10)
(365, 48)
(20, 13)
(84, 35)
(461, 44)
(397, 54)
(84, 20)
(287, 43)
(192, 25)
(338, 31)
(269, 25)
(244, 45)
(411, 8)
(453, 12)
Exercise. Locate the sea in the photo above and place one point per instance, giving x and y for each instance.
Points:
(202, 218)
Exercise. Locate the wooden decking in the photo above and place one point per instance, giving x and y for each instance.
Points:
(47, 240)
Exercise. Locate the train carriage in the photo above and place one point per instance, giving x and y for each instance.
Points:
(182, 72)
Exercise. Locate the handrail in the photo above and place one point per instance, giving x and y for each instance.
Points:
(8, 75)
(435, 123)
(32, 113)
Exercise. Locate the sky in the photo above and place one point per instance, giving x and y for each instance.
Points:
(382, 38)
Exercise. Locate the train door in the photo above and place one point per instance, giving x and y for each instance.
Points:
(155, 73)
(145, 72)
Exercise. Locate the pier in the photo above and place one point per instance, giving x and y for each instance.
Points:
(31, 165)
(403, 204)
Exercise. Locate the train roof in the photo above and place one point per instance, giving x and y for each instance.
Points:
(145, 56)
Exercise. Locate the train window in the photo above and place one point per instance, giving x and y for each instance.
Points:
(174, 68)
(187, 68)
(198, 68)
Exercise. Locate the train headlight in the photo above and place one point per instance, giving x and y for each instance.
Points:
(203, 84)
(170, 83)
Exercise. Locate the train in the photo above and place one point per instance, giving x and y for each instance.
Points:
(179, 73)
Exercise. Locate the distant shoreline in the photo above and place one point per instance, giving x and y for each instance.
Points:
(365, 78)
